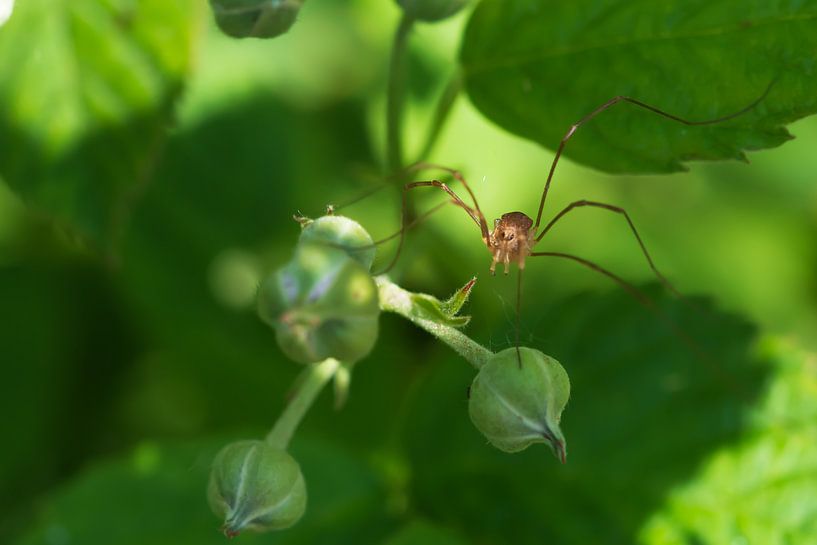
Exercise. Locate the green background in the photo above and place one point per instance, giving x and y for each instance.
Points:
(150, 167)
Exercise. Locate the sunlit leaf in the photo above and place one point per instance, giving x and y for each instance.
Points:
(87, 93)
(536, 67)
(764, 489)
(645, 411)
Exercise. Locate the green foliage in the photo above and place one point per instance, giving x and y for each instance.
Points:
(536, 67)
(625, 459)
(87, 92)
(762, 489)
(444, 312)
(431, 10)
(644, 414)
(164, 350)
(153, 495)
(421, 532)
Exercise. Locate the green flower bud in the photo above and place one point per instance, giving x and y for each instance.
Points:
(343, 233)
(257, 487)
(431, 10)
(515, 405)
(255, 18)
(323, 304)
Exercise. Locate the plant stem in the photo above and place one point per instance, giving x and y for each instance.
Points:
(395, 96)
(316, 377)
(444, 105)
(395, 299)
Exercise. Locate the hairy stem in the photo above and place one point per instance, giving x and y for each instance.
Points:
(395, 96)
(395, 299)
(308, 388)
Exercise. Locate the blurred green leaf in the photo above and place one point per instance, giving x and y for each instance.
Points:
(644, 412)
(87, 94)
(156, 496)
(65, 345)
(421, 532)
(536, 67)
(764, 489)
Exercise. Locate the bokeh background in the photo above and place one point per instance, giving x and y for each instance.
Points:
(128, 362)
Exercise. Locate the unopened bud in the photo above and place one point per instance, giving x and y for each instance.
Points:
(516, 402)
(322, 304)
(342, 233)
(255, 18)
(255, 486)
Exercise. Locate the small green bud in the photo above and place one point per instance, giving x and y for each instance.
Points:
(343, 233)
(255, 18)
(322, 304)
(517, 403)
(431, 10)
(255, 486)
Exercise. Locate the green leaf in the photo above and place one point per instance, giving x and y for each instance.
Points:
(444, 312)
(88, 91)
(421, 532)
(157, 495)
(62, 330)
(536, 67)
(645, 412)
(764, 489)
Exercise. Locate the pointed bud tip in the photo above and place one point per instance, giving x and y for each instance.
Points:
(255, 486)
(466, 289)
(517, 400)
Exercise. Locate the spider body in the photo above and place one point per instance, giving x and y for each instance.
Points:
(515, 234)
(511, 240)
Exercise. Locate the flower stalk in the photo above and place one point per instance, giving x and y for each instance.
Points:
(316, 377)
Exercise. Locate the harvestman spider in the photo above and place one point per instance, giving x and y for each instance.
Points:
(515, 234)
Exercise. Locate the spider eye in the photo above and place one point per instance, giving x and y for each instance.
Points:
(508, 236)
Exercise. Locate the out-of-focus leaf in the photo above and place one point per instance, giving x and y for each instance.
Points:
(157, 496)
(224, 191)
(644, 412)
(87, 94)
(421, 532)
(764, 489)
(536, 67)
(64, 346)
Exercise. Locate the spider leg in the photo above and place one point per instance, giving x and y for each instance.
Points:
(457, 175)
(650, 306)
(475, 215)
(612, 102)
(617, 210)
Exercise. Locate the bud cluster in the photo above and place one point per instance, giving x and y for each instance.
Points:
(324, 306)
(323, 303)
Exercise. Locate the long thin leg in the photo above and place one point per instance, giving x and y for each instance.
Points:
(455, 199)
(637, 294)
(518, 311)
(457, 175)
(617, 210)
(650, 305)
(613, 102)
